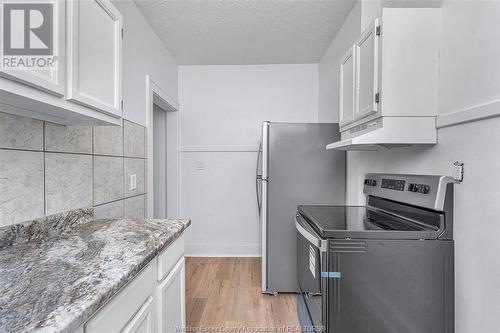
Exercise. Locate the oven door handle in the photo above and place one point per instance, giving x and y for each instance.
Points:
(309, 234)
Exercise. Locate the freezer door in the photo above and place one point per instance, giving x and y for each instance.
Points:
(300, 171)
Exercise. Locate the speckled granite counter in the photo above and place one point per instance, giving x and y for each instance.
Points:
(55, 273)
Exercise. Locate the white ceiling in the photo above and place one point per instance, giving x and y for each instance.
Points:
(209, 32)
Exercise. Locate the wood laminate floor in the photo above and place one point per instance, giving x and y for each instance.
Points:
(225, 292)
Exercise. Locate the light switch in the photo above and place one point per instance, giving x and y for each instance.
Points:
(133, 182)
(200, 165)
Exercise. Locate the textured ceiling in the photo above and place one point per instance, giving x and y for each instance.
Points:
(208, 32)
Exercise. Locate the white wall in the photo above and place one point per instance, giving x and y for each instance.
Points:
(469, 77)
(222, 108)
(143, 53)
(470, 54)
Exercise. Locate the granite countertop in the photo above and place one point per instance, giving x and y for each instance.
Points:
(54, 274)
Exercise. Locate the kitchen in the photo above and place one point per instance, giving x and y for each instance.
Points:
(189, 85)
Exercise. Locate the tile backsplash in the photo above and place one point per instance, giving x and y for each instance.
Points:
(47, 168)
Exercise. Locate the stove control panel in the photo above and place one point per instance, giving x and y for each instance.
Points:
(393, 184)
(427, 191)
(419, 188)
(370, 182)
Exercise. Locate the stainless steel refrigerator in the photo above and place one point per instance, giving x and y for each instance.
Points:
(293, 168)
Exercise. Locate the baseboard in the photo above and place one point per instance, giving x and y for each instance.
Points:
(218, 149)
(223, 250)
(474, 113)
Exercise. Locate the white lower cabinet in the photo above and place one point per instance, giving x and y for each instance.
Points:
(151, 302)
(143, 320)
(171, 303)
(123, 308)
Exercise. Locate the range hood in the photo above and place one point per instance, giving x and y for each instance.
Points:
(386, 133)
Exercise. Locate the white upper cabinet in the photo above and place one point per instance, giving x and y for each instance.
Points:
(396, 82)
(367, 71)
(94, 55)
(410, 62)
(347, 87)
(50, 79)
(396, 68)
(84, 84)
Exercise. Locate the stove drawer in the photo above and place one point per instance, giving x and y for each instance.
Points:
(391, 286)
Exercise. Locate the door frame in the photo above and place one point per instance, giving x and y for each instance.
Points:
(156, 95)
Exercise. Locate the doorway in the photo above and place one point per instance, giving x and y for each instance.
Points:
(159, 162)
(163, 153)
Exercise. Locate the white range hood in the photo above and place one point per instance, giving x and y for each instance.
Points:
(388, 132)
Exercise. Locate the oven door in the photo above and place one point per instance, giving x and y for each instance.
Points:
(311, 256)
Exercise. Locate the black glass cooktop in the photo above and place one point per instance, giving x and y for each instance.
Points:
(362, 222)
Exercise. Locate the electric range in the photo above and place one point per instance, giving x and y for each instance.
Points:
(384, 267)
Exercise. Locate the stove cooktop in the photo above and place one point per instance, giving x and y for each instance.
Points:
(362, 222)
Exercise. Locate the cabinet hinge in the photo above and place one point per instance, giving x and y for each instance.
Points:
(377, 31)
(123, 32)
(377, 97)
(121, 104)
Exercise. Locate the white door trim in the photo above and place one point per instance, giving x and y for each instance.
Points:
(156, 95)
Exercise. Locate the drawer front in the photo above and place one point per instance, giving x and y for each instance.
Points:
(115, 315)
(169, 257)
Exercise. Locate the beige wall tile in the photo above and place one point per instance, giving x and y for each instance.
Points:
(21, 186)
(20, 133)
(108, 179)
(72, 139)
(68, 182)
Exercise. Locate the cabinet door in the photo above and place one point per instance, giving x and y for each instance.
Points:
(123, 308)
(367, 71)
(347, 87)
(171, 300)
(142, 322)
(94, 55)
(50, 79)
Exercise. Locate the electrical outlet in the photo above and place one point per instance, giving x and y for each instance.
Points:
(133, 182)
(458, 172)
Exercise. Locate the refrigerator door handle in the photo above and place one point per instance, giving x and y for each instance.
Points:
(258, 178)
(264, 149)
(259, 204)
(259, 151)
